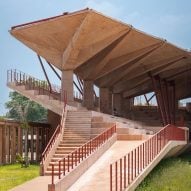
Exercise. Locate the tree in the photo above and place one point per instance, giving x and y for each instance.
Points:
(35, 112)
(24, 110)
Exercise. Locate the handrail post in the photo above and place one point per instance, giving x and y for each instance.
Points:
(64, 165)
(59, 169)
(111, 175)
(72, 160)
(68, 163)
(52, 173)
(121, 174)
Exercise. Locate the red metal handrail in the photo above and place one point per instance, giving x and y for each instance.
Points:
(54, 136)
(126, 169)
(51, 142)
(21, 78)
(69, 162)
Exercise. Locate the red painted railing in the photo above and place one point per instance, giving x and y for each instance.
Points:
(20, 78)
(126, 169)
(53, 138)
(66, 164)
(51, 142)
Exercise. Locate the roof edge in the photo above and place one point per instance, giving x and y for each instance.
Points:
(49, 18)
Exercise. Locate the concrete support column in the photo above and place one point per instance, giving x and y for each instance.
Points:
(88, 94)
(53, 119)
(105, 100)
(117, 103)
(67, 85)
(126, 106)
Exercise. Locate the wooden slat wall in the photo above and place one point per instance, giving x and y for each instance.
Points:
(11, 140)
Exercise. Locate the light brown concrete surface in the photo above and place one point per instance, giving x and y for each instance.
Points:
(97, 177)
(37, 184)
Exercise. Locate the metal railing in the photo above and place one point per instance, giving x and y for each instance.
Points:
(69, 162)
(124, 171)
(20, 78)
(58, 132)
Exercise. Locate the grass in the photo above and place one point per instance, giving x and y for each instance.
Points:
(13, 175)
(173, 174)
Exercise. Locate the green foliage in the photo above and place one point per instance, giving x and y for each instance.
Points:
(173, 174)
(2, 118)
(22, 160)
(20, 103)
(13, 175)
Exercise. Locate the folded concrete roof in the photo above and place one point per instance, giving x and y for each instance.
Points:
(99, 48)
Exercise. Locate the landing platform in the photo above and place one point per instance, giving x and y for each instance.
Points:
(97, 177)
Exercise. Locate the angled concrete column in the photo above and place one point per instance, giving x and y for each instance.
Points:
(117, 104)
(88, 94)
(126, 106)
(105, 100)
(67, 85)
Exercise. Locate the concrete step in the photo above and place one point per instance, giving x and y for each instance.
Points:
(76, 128)
(74, 141)
(66, 148)
(69, 145)
(69, 137)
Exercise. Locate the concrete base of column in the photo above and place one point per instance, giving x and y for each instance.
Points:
(53, 119)
(126, 107)
(117, 104)
(105, 101)
(88, 95)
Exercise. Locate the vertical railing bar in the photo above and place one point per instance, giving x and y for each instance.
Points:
(111, 175)
(116, 178)
(121, 174)
(125, 171)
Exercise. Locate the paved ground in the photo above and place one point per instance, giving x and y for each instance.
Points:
(97, 177)
(37, 184)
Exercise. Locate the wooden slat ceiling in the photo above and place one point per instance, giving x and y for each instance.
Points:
(111, 53)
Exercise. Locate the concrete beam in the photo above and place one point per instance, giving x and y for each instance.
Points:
(150, 67)
(125, 63)
(70, 54)
(142, 89)
(131, 83)
(92, 66)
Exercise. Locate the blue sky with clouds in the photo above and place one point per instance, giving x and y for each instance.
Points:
(170, 20)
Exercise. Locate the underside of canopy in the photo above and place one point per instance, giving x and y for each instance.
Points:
(111, 53)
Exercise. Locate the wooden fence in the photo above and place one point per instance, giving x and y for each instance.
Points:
(12, 140)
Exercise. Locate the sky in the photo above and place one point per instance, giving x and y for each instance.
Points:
(168, 19)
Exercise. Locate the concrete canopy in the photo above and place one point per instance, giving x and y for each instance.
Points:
(111, 53)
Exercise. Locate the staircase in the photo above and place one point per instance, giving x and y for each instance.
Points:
(76, 133)
(37, 90)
